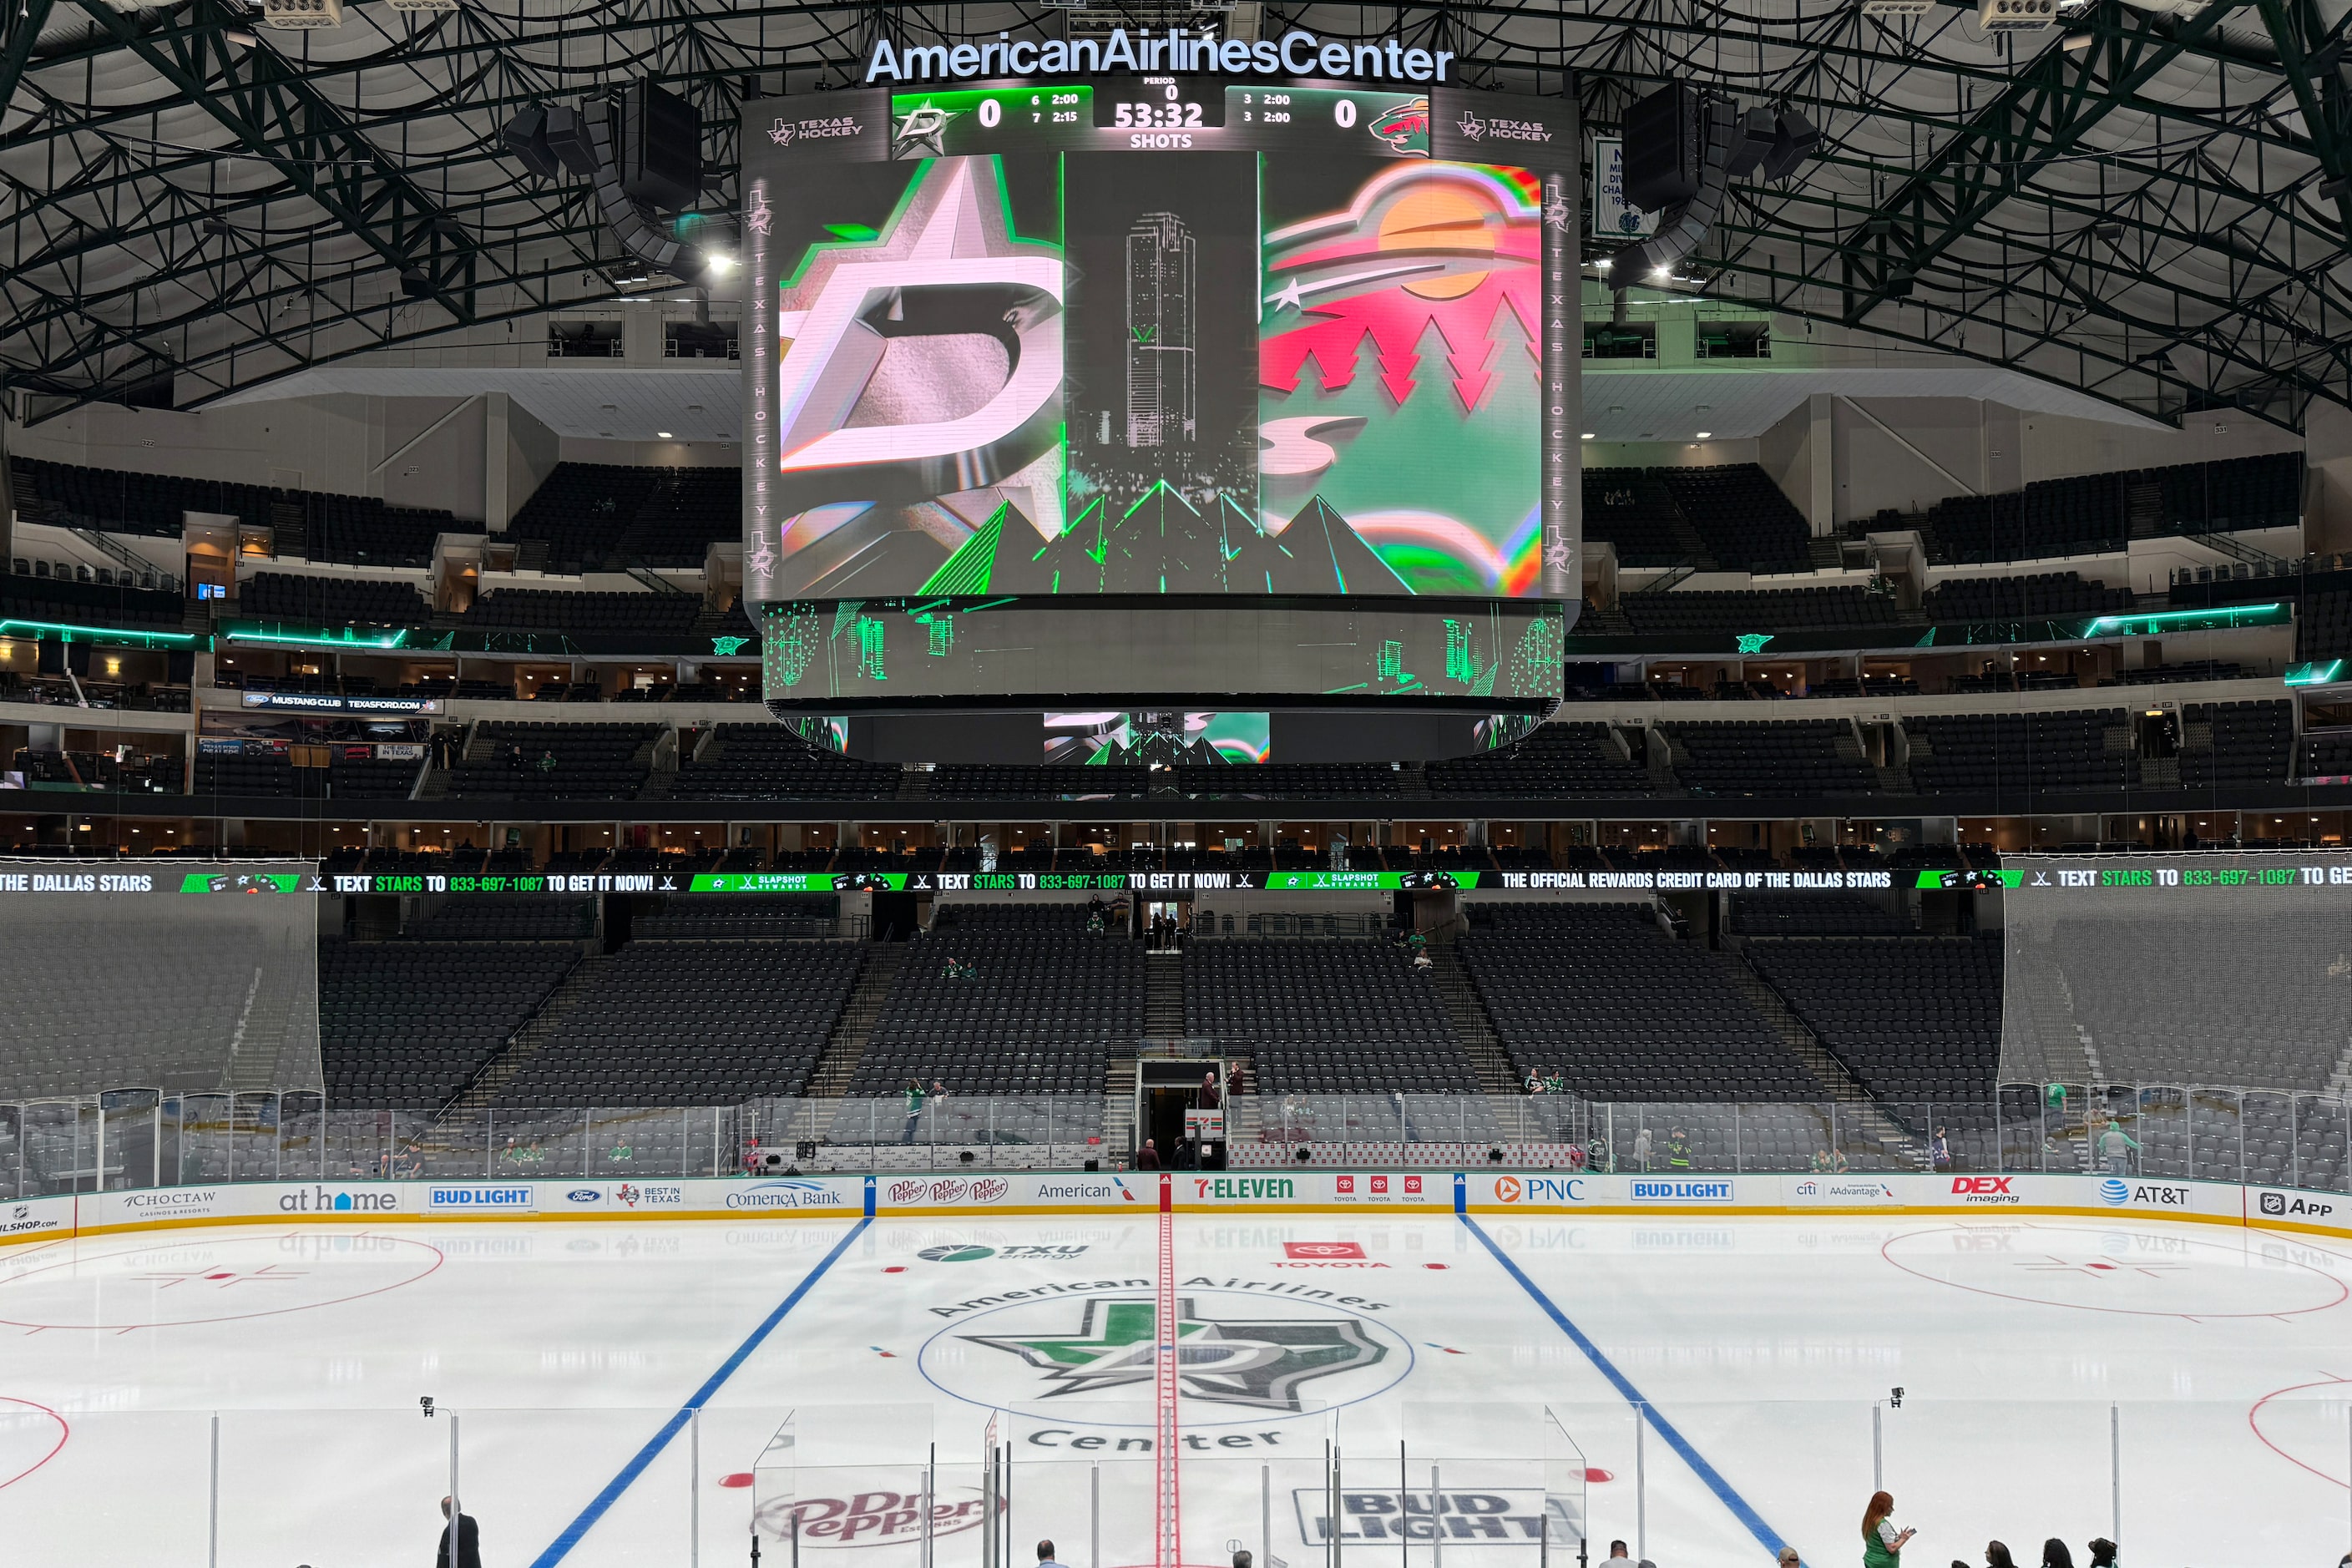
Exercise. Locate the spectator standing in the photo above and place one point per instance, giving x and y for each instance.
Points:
(1997, 1556)
(1617, 1553)
(468, 1538)
(1642, 1148)
(1939, 1151)
(2103, 1552)
(2055, 1556)
(1678, 1154)
(2116, 1147)
(1881, 1544)
(1046, 1555)
(1148, 1157)
(1208, 1101)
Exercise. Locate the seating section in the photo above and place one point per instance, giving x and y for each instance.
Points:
(1914, 1020)
(25, 595)
(580, 511)
(2013, 598)
(1743, 518)
(352, 773)
(117, 502)
(2248, 743)
(1555, 760)
(2322, 628)
(690, 1023)
(333, 601)
(1632, 509)
(1732, 614)
(731, 917)
(404, 1025)
(1007, 1000)
(1598, 995)
(594, 515)
(100, 999)
(360, 531)
(554, 761)
(497, 918)
(1810, 756)
(768, 762)
(1298, 781)
(533, 609)
(2328, 755)
(2236, 996)
(2232, 493)
(1326, 1017)
(1013, 781)
(1816, 913)
(2018, 753)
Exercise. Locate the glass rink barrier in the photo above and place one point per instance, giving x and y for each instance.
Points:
(138, 1138)
(1487, 1486)
(1499, 1485)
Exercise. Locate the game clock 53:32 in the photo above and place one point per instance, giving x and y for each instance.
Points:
(1159, 103)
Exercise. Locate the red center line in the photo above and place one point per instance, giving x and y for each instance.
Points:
(1169, 1553)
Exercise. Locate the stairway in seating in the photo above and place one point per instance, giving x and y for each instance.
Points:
(845, 1046)
(1164, 995)
(1827, 552)
(1118, 1109)
(1471, 1025)
(495, 1074)
(2144, 509)
(1855, 1105)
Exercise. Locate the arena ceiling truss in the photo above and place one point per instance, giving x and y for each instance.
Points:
(2150, 203)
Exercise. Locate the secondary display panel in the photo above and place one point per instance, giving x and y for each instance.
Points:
(1162, 338)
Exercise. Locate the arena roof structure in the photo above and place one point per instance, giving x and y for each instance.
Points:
(2149, 203)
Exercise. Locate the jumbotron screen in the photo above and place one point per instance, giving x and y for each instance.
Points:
(1015, 350)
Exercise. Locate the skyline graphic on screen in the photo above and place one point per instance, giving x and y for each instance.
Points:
(1040, 373)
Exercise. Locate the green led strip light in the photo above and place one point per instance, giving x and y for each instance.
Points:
(68, 632)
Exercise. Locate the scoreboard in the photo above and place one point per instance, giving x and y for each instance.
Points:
(1295, 360)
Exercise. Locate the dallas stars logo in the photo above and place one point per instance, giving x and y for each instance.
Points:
(1260, 1364)
(920, 130)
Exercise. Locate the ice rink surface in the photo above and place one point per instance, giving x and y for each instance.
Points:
(569, 1352)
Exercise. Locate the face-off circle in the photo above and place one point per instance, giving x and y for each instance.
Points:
(210, 1280)
(30, 1437)
(2304, 1424)
(2143, 1273)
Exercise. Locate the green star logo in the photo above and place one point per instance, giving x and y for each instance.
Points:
(725, 647)
(1260, 1364)
(1753, 642)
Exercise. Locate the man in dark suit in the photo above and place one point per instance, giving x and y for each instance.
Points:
(469, 1542)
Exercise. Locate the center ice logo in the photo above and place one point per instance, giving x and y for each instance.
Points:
(1259, 1362)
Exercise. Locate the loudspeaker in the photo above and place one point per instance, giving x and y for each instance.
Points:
(1093, 1165)
(1665, 143)
(569, 138)
(661, 148)
(526, 136)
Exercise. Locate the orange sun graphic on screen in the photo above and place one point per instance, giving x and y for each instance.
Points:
(1440, 218)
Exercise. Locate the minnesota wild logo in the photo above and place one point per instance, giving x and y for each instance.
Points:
(1259, 1363)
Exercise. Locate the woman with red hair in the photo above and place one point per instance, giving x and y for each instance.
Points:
(1881, 1544)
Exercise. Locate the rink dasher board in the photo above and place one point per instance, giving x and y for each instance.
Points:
(1484, 1193)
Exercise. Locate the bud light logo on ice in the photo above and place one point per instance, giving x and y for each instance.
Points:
(784, 1195)
(482, 1199)
(1500, 1515)
(1680, 1190)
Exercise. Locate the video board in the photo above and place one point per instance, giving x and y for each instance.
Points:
(1160, 336)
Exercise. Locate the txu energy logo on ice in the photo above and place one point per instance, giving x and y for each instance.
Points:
(1260, 1362)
